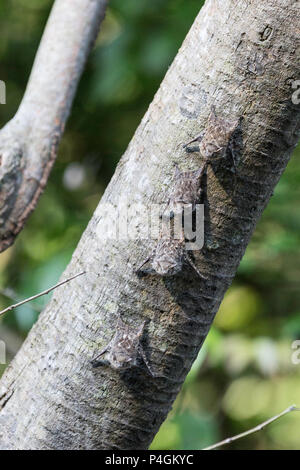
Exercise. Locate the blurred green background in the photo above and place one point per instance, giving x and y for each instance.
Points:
(244, 373)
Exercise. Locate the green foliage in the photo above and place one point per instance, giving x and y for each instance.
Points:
(244, 372)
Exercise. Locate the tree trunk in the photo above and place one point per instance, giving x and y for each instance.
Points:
(241, 57)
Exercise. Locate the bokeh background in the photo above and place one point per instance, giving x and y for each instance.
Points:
(244, 373)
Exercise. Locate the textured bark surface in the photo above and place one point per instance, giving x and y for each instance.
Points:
(28, 143)
(240, 56)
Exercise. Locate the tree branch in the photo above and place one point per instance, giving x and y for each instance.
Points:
(257, 428)
(239, 56)
(36, 296)
(28, 143)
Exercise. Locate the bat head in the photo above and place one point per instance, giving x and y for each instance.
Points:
(124, 352)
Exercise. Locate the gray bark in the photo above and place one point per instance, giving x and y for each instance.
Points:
(240, 56)
(28, 143)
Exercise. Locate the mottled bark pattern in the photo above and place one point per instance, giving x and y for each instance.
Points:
(51, 397)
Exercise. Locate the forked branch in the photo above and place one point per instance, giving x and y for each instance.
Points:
(28, 143)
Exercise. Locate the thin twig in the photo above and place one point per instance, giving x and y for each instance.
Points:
(253, 430)
(11, 307)
(12, 295)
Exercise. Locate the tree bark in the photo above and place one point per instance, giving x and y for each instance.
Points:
(28, 143)
(241, 57)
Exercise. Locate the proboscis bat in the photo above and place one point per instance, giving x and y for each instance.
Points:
(124, 350)
(216, 137)
(169, 256)
(186, 191)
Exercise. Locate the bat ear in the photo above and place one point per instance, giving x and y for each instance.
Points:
(197, 173)
(177, 171)
(234, 124)
(213, 114)
(141, 328)
(120, 323)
